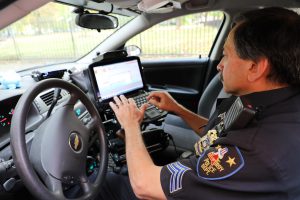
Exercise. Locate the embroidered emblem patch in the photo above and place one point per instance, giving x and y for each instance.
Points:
(219, 163)
(177, 171)
(205, 142)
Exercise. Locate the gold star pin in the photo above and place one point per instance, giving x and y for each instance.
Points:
(231, 161)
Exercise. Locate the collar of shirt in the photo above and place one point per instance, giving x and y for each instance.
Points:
(268, 98)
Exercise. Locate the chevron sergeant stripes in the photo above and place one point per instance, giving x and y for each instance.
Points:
(177, 171)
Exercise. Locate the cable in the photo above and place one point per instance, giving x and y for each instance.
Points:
(175, 148)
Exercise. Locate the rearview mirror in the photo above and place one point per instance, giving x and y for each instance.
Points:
(96, 21)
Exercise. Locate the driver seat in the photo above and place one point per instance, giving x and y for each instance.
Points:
(183, 136)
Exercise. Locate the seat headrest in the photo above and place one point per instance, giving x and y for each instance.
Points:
(212, 92)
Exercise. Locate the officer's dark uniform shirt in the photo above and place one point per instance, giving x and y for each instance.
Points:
(259, 161)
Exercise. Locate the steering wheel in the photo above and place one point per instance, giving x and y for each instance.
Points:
(58, 152)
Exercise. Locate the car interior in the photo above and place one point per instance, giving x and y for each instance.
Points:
(58, 135)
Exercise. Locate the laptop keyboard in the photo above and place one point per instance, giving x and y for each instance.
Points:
(152, 111)
(141, 99)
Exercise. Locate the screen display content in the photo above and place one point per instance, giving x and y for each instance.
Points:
(117, 78)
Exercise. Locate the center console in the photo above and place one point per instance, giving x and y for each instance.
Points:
(155, 139)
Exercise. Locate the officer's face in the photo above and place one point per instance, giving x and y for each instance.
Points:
(233, 69)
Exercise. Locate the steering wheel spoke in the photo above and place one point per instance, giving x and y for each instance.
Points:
(73, 98)
(55, 186)
(92, 125)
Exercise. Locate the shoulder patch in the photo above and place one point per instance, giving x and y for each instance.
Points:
(177, 171)
(218, 163)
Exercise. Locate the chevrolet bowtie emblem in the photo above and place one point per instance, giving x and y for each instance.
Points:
(75, 142)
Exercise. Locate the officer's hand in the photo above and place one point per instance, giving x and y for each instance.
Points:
(127, 112)
(164, 101)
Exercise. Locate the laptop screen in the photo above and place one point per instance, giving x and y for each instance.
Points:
(115, 78)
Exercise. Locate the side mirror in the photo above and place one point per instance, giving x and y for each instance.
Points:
(96, 21)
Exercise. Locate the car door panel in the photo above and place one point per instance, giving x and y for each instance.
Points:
(183, 79)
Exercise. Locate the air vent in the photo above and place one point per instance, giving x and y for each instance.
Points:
(48, 97)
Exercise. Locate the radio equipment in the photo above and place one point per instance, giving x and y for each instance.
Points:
(239, 114)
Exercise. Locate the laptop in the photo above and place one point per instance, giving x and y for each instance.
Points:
(121, 76)
(115, 77)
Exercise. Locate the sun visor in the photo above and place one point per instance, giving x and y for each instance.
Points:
(198, 4)
(123, 3)
(159, 6)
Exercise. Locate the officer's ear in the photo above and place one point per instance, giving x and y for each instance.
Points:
(258, 70)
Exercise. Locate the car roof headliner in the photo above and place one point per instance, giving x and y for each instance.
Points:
(12, 10)
(129, 7)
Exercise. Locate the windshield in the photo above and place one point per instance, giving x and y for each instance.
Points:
(46, 36)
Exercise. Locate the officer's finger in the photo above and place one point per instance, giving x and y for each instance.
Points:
(154, 101)
(113, 107)
(123, 99)
(131, 101)
(144, 107)
(118, 101)
(154, 95)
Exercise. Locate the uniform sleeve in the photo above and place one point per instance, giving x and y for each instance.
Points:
(203, 176)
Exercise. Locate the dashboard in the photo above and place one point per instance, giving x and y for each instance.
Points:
(155, 141)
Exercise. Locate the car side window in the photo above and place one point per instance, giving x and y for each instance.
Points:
(182, 37)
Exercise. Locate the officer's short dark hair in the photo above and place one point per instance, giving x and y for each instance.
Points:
(272, 33)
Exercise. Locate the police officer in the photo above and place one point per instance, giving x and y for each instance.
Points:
(256, 160)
